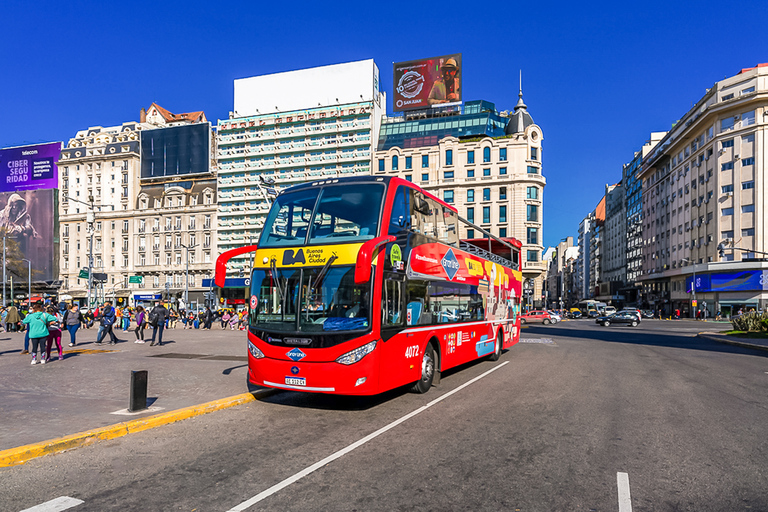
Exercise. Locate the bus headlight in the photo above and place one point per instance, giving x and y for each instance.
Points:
(357, 354)
(254, 350)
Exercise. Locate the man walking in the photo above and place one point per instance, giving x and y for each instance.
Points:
(208, 318)
(157, 318)
(107, 322)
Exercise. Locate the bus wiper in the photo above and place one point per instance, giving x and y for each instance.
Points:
(278, 280)
(324, 271)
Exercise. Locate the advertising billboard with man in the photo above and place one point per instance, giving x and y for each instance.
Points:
(427, 83)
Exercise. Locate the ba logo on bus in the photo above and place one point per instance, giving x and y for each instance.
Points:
(450, 264)
(296, 354)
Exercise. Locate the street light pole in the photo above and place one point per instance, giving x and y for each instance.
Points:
(90, 218)
(29, 283)
(693, 288)
(186, 280)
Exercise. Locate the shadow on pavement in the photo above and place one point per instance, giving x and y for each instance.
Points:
(635, 336)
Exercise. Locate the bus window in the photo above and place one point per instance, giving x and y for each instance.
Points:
(289, 219)
(447, 227)
(347, 212)
(392, 303)
(400, 220)
(418, 312)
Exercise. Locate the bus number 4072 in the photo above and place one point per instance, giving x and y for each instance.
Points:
(412, 351)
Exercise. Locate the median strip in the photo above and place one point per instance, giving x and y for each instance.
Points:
(22, 454)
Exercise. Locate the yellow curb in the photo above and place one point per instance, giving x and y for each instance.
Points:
(22, 454)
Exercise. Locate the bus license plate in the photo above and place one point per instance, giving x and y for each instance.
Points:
(296, 381)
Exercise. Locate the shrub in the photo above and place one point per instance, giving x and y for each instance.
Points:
(751, 322)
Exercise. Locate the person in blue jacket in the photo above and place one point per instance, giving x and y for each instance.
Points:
(107, 319)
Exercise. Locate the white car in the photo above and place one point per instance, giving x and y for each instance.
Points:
(609, 310)
(555, 316)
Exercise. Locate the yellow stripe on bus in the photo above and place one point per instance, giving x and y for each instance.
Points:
(306, 256)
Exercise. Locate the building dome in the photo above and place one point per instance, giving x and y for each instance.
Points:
(520, 118)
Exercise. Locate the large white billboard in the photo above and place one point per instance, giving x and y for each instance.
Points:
(337, 84)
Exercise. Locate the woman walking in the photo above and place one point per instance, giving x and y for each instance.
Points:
(140, 324)
(54, 334)
(37, 323)
(73, 318)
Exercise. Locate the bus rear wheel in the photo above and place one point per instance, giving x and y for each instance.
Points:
(422, 385)
(497, 348)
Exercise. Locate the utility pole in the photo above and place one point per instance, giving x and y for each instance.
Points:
(29, 284)
(186, 281)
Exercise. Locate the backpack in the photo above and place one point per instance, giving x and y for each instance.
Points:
(153, 318)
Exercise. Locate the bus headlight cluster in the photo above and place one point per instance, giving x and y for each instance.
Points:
(357, 354)
(254, 350)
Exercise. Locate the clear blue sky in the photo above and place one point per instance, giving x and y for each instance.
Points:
(598, 77)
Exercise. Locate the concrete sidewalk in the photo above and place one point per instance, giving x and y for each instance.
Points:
(84, 390)
(756, 344)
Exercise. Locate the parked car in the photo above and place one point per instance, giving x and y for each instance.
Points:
(621, 317)
(536, 316)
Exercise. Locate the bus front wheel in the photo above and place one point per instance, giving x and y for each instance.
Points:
(427, 371)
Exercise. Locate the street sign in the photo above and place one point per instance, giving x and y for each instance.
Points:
(83, 274)
(693, 303)
(99, 276)
(135, 279)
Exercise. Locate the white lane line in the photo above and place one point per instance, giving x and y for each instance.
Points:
(57, 505)
(625, 501)
(317, 465)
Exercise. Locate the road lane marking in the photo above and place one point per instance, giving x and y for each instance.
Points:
(317, 465)
(625, 501)
(57, 505)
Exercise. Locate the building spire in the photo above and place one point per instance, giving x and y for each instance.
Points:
(520, 104)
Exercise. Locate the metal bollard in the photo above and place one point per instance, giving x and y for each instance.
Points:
(138, 391)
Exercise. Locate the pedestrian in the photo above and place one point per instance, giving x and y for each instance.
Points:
(3, 314)
(208, 318)
(126, 318)
(173, 317)
(141, 323)
(72, 321)
(225, 317)
(234, 319)
(38, 322)
(107, 319)
(12, 319)
(54, 334)
(157, 318)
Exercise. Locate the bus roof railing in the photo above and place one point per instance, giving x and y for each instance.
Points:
(488, 254)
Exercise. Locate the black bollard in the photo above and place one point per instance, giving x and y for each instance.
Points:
(138, 391)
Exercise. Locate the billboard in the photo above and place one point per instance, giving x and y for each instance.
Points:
(427, 83)
(29, 167)
(176, 151)
(747, 280)
(28, 218)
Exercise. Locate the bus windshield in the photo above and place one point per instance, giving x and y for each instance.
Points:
(309, 300)
(321, 215)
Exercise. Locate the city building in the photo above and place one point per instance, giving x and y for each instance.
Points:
(558, 293)
(614, 253)
(283, 132)
(146, 215)
(488, 164)
(583, 263)
(596, 247)
(704, 185)
(633, 200)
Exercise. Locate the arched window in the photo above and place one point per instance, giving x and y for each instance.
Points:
(395, 162)
(486, 155)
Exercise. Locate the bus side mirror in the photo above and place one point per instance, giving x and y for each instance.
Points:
(221, 262)
(365, 257)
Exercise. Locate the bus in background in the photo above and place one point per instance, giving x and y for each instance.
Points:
(361, 285)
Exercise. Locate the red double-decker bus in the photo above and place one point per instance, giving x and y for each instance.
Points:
(361, 285)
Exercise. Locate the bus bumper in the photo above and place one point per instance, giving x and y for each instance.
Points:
(316, 377)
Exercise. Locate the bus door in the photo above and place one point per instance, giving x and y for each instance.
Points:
(397, 364)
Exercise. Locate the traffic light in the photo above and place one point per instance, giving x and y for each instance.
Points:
(721, 249)
(240, 272)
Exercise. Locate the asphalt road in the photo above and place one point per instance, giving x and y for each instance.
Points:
(576, 417)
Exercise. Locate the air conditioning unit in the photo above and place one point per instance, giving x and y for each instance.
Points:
(736, 157)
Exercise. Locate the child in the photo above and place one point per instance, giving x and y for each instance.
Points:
(54, 334)
(37, 322)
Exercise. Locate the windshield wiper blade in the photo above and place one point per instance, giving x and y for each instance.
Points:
(324, 271)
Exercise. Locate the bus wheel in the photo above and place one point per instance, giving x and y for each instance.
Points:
(497, 352)
(427, 371)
